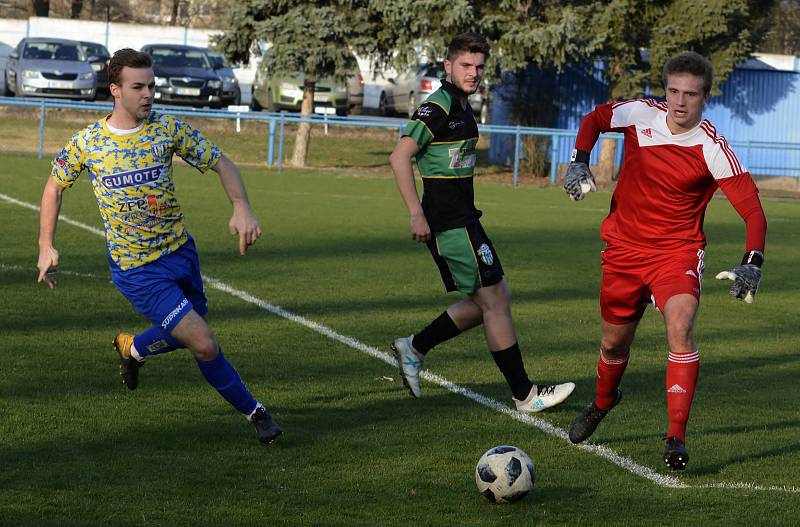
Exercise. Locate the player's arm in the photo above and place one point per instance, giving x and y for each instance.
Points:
(579, 180)
(243, 221)
(400, 160)
(743, 195)
(48, 218)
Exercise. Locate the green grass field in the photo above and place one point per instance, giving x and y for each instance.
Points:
(77, 448)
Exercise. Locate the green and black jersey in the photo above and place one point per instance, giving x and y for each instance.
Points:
(446, 134)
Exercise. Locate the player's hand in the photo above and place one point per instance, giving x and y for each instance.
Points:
(746, 276)
(48, 262)
(420, 231)
(244, 223)
(579, 181)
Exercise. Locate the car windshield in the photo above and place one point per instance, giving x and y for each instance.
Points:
(179, 58)
(51, 51)
(217, 61)
(96, 50)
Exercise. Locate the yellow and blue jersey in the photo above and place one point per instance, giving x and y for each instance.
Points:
(131, 176)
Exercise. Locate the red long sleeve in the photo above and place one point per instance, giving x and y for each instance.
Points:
(743, 195)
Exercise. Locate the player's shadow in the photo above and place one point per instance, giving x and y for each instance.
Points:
(703, 468)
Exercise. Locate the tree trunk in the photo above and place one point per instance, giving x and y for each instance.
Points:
(304, 130)
(173, 19)
(604, 172)
(41, 7)
(76, 8)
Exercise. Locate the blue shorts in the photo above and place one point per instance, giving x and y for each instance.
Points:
(164, 290)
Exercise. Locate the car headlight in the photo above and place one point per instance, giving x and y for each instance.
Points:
(86, 76)
(229, 79)
(214, 84)
(97, 66)
(161, 81)
(29, 74)
(288, 86)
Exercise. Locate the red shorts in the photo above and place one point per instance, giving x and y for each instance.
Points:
(632, 279)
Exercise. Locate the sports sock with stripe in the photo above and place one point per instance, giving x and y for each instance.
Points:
(609, 376)
(155, 341)
(682, 371)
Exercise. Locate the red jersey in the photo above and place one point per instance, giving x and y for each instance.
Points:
(667, 179)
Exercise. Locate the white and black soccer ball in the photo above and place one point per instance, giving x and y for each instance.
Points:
(505, 474)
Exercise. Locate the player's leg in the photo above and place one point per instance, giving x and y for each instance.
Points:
(498, 326)
(152, 291)
(452, 253)
(683, 367)
(676, 290)
(213, 364)
(622, 303)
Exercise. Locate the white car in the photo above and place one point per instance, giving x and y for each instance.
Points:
(402, 94)
(50, 67)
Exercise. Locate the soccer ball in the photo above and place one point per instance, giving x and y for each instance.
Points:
(504, 474)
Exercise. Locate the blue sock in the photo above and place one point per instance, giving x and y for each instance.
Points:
(155, 341)
(225, 379)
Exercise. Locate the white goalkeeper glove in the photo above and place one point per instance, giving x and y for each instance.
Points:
(745, 276)
(579, 179)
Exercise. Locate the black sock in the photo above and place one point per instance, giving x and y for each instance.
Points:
(509, 361)
(441, 329)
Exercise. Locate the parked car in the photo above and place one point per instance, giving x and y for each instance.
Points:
(50, 67)
(101, 56)
(231, 93)
(402, 94)
(275, 93)
(184, 76)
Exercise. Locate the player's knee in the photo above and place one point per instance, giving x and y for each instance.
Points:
(205, 348)
(614, 348)
(495, 298)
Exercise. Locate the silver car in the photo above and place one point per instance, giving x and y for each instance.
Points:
(402, 94)
(50, 67)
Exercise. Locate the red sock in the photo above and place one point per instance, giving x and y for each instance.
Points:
(682, 369)
(609, 375)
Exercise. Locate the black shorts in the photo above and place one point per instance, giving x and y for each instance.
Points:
(466, 259)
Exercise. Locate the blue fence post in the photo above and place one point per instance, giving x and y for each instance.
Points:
(41, 130)
(517, 146)
(271, 142)
(280, 144)
(554, 148)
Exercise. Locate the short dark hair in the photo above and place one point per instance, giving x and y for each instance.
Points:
(692, 63)
(126, 57)
(468, 43)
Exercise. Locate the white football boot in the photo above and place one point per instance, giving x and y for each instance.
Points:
(409, 361)
(544, 396)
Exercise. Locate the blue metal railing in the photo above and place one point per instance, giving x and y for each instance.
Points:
(559, 149)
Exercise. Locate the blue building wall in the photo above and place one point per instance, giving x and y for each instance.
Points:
(754, 106)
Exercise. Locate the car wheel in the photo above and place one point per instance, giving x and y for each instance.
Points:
(412, 104)
(6, 88)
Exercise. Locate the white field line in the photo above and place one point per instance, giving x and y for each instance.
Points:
(34, 271)
(529, 419)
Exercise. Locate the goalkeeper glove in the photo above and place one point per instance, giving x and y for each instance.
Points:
(579, 179)
(745, 276)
